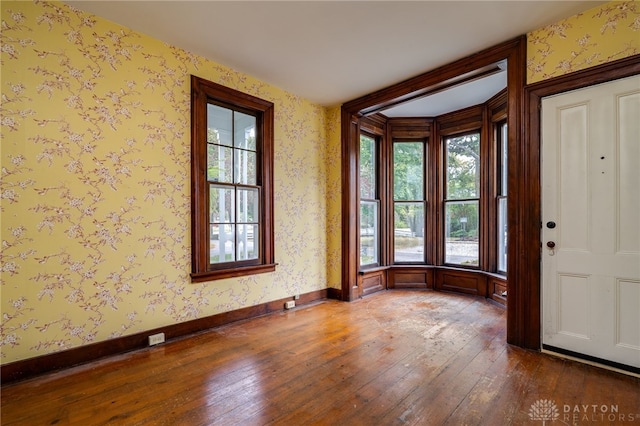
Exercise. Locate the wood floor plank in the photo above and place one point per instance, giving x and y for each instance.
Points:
(412, 373)
(399, 357)
(507, 403)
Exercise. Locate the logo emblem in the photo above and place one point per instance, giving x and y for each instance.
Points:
(544, 409)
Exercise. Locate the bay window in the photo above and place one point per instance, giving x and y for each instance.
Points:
(432, 207)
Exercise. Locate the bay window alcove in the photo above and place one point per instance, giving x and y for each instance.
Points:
(429, 205)
(432, 200)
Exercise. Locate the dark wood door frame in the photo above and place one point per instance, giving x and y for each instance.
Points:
(514, 52)
(528, 287)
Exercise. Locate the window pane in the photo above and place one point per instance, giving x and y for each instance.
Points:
(245, 167)
(219, 125)
(367, 167)
(502, 185)
(245, 131)
(248, 205)
(502, 234)
(221, 207)
(247, 247)
(368, 232)
(408, 232)
(221, 244)
(219, 161)
(408, 171)
(463, 166)
(461, 233)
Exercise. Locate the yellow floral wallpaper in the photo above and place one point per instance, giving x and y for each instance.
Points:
(605, 33)
(95, 208)
(94, 156)
(333, 197)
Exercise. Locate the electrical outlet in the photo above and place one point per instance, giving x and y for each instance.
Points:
(296, 297)
(156, 339)
(290, 304)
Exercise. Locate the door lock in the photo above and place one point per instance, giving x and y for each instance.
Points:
(551, 245)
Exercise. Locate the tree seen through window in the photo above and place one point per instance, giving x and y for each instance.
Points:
(462, 199)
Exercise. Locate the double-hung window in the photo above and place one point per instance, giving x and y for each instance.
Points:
(369, 202)
(232, 180)
(409, 201)
(502, 196)
(462, 199)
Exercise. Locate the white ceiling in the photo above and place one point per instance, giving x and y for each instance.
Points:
(331, 52)
(453, 99)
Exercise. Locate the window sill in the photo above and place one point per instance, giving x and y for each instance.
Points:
(463, 267)
(197, 277)
(367, 269)
(497, 275)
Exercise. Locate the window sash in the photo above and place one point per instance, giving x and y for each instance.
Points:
(409, 232)
(462, 245)
(408, 171)
(502, 234)
(234, 223)
(462, 166)
(503, 153)
(369, 232)
(231, 159)
(368, 168)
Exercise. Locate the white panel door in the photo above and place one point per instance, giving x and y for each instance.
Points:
(591, 192)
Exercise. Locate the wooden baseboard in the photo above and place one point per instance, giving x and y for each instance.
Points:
(334, 293)
(27, 368)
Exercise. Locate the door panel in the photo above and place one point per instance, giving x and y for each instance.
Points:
(629, 173)
(628, 318)
(573, 305)
(572, 166)
(591, 189)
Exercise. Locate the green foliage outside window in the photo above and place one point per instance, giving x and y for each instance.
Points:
(369, 206)
(408, 185)
(462, 199)
(463, 167)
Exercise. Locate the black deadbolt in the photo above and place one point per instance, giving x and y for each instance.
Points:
(551, 224)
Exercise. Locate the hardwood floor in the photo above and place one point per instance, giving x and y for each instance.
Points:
(393, 358)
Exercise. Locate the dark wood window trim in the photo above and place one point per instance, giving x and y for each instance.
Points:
(496, 117)
(202, 93)
(374, 199)
(465, 121)
(375, 127)
(514, 52)
(524, 293)
(350, 129)
(479, 199)
(495, 195)
(391, 204)
(410, 130)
